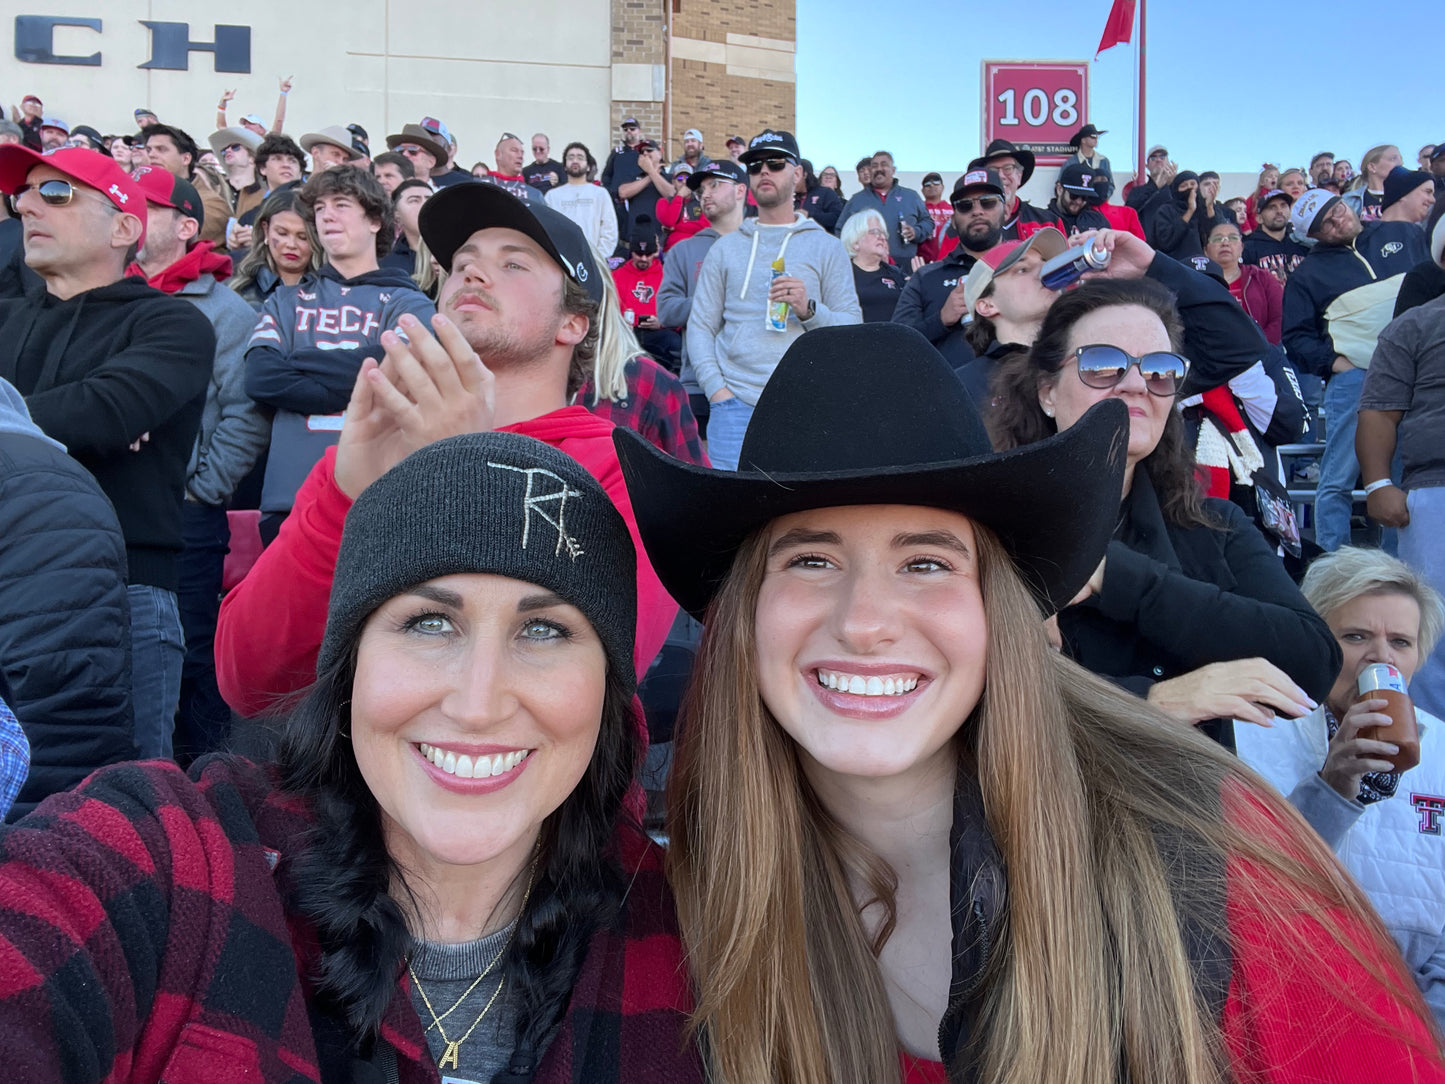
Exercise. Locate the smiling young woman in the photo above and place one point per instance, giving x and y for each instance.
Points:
(437, 875)
(911, 842)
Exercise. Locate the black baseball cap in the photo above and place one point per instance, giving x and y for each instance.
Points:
(771, 144)
(981, 178)
(1438, 152)
(629, 122)
(726, 170)
(1077, 177)
(460, 210)
(931, 178)
(642, 246)
(1273, 194)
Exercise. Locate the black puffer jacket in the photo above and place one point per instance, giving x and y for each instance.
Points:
(64, 620)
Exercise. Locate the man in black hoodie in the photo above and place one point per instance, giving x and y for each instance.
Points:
(311, 338)
(117, 372)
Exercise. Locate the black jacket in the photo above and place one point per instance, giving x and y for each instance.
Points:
(402, 256)
(977, 375)
(822, 205)
(98, 371)
(1028, 216)
(1326, 273)
(1220, 339)
(922, 301)
(1423, 282)
(1178, 598)
(1090, 218)
(64, 619)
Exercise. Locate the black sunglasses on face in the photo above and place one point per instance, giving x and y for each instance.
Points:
(774, 165)
(1103, 366)
(987, 203)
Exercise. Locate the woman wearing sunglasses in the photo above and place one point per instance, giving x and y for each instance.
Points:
(1189, 606)
(912, 843)
(437, 876)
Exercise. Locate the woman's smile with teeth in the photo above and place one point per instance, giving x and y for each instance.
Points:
(893, 685)
(467, 767)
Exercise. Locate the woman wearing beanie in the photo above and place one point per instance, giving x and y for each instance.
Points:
(910, 842)
(435, 877)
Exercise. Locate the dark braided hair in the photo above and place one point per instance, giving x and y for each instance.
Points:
(341, 879)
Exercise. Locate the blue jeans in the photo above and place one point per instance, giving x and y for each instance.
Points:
(1421, 548)
(1338, 467)
(157, 653)
(203, 722)
(727, 424)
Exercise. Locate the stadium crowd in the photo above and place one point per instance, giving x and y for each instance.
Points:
(706, 620)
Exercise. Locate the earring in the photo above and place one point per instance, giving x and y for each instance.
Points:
(1048, 412)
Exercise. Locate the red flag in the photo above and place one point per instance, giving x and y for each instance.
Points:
(1119, 28)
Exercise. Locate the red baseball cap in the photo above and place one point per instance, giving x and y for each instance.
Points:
(99, 171)
(165, 189)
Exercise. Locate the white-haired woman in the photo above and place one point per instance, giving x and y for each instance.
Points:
(1385, 826)
(878, 282)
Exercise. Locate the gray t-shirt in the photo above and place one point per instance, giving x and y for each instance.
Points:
(1407, 372)
(445, 972)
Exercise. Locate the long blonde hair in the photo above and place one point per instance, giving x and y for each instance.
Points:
(1372, 156)
(616, 345)
(1090, 980)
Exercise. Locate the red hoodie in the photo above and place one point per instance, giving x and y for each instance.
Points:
(200, 260)
(270, 627)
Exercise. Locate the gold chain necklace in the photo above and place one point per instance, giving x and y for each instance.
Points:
(452, 1053)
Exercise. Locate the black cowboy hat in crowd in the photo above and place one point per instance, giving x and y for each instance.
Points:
(871, 414)
(1001, 148)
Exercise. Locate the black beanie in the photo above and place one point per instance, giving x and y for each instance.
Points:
(1400, 182)
(496, 503)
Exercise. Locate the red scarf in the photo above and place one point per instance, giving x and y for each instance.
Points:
(1212, 453)
(200, 259)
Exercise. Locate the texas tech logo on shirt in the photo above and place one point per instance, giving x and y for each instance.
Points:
(643, 292)
(1431, 808)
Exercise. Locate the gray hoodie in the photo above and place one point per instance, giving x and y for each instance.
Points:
(728, 342)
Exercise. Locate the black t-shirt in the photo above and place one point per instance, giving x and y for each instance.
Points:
(537, 175)
(1262, 250)
(878, 292)
(1370, 205)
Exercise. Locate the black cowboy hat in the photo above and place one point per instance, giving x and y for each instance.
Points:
(871, 414)
(1086, 130)
(1001, 148)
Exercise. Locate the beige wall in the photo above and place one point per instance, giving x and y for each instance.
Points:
(483, 68)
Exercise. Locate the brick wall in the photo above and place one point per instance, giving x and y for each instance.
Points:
(708, 96)
(639, 29)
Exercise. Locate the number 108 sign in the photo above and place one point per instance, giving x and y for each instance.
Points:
(1035, 104)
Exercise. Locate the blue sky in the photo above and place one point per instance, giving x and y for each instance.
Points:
(1231, 83)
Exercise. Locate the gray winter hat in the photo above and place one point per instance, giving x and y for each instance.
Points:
(496, 503)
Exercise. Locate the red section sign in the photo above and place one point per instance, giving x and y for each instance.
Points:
(1035, 104)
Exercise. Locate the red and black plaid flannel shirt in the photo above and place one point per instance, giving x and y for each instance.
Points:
(143, 937)
(656, 407)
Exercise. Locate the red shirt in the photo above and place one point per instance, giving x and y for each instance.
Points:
(920, 1070)
(942, 213)
(637, 290)
(270, 627)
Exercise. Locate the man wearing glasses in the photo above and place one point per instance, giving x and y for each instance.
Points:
(933, 300)
(117, 372)
(734, 341)
(1014, 167)
(419, 147)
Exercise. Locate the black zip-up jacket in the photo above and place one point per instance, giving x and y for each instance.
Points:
(921, 302)
(98, 371)
(64, 618)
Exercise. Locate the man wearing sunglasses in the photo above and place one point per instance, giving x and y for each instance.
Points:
(117, 372)
(731, 342)
(1074, 199)
(932, 300)
(421, 148)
